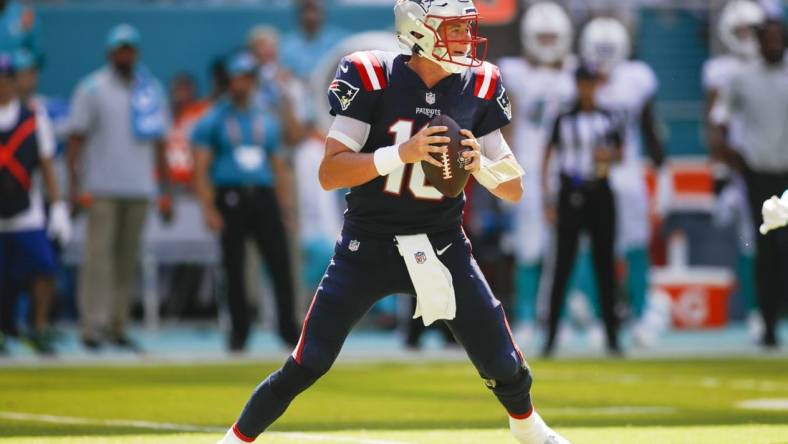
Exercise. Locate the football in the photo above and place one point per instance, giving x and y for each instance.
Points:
(451, 178)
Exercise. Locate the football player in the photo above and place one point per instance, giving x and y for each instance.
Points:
(400, 234)
(628, 89)
(736, 31)
(540, 84)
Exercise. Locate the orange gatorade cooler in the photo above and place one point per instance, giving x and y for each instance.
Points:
(698, 295)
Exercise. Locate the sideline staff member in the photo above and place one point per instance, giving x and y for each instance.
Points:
(587, 141)
(758, 95)
(238, 173)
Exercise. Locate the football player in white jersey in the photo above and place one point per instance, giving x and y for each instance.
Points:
(628, 90)
(540, 83)
(736, 32)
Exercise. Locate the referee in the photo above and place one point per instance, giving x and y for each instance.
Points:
(238, 174)
(586, 141)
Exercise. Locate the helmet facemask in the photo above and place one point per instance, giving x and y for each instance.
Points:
(424, 30)
(475, 47)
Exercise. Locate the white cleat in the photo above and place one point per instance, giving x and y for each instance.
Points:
(556, 439)
(755, 327)
(231, 438)
(533, 430)
(596, 336)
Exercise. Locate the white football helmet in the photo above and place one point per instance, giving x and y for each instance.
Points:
(418, 25)
(546, 33)
(736, 27)
(604, 44)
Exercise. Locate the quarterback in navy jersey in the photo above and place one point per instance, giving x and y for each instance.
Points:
(381, 90)
(401, 235)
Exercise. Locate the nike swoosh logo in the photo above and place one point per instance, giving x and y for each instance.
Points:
(343, 68)
(443, 250)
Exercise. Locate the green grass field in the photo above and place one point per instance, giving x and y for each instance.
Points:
(606, 402)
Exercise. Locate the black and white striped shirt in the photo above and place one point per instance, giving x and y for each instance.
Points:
(577, 134)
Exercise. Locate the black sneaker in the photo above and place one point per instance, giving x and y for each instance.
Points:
(92, 345)
(615, 352)
(236, 343)
(769, 342)
(548, 351)
(41, 344)
(126, 343)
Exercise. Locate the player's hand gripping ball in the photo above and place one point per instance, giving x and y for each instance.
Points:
(450, 178)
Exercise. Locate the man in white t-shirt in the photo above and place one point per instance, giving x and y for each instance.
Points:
(736, 32)
(27, 144)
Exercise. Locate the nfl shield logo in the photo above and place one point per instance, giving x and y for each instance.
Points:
(430, 98)
(420, 257)
(353, 245)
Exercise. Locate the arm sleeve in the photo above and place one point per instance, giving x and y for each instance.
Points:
(45, 134)
(648, 83)
(82, 114)
(350, 132)
(494, 146)
(709, 78)
(347, 94)
(498, 112)
(724, 106)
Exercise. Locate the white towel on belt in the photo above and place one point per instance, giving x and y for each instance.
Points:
(431, 279)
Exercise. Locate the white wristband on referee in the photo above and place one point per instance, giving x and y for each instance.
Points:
(387, 159)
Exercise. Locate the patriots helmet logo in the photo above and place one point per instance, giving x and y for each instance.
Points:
(505, 104)
(344, 92)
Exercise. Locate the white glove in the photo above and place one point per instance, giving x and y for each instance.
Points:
(59, 222)
(775, 213)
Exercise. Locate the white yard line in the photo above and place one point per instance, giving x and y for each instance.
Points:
(166, 426)
(611, 410)
(53, 419)
(772, 404)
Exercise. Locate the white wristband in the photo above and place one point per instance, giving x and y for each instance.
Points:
(494, 173)
(387, 159)
(484, 176)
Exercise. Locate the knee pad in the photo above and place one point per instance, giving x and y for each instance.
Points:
(503, 367)
(292, 379)
(515, 387)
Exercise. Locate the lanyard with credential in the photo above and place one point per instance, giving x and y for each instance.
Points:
(249, 157)
(236, 136)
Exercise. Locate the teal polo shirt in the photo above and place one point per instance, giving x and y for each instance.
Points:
(242, 141)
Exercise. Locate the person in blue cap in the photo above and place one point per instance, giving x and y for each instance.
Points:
(27, 262)
(241, 178)
(117, 129)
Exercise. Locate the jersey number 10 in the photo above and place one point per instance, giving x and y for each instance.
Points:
(403, 131)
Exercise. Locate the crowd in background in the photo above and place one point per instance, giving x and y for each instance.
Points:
(246, 156)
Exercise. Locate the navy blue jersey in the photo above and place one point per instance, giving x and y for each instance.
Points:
(378, 88)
